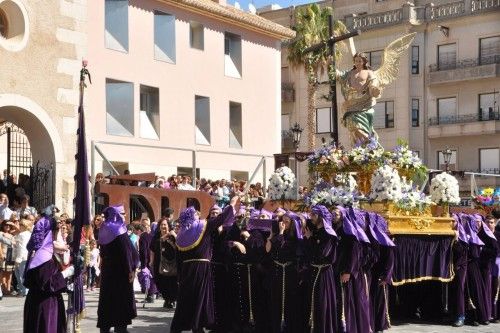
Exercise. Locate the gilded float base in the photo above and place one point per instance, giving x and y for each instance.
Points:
(401, 222)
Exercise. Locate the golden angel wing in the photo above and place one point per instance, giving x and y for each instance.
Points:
(389, 68)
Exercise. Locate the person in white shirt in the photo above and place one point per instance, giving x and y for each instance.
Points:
(93, 266)
(21, 254)
(185, 185)
(25, 207)
(5, 211)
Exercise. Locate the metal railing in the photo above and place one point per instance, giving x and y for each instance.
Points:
(465, 63)
(464, 118)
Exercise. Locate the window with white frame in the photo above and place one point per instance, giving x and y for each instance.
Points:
(415, 59)
(164, 25)
(453, 160)
(119, 108)
(116, 25)
(324, 120)
(384, 115)
(446, 109)
(489, 106)
(232, 55)
(489, 160)
(447, 56)
(489, 50)
(196, 35)
(149, 113)
(235, 126)
(202, 120)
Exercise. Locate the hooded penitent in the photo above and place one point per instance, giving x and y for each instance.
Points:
(326, 216)
(378, 228)
(113, 225)
(191, 228)
(295, 219)
(350, 226)
(40, 246)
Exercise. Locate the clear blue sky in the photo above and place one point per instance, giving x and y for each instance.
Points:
(261, 3)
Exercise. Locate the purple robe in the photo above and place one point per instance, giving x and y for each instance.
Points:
(495, 285)
(195, 302)
(145, 257)
(285, 254)
(458, 283)
(486, 262)
(355, 311)
(381, 271)
(319, 284)
(44, 306)
(476, 292)
(116, 306)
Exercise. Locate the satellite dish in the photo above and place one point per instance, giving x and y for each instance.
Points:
(252, 8)
(237, 5)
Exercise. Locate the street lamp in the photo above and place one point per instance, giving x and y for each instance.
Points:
(447, 158)
(297, 133)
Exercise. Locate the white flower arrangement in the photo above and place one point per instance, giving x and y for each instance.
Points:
(386, 184)
(283, 185)
(403, 157)
(444, 189)
(412, 198)
(329, 195)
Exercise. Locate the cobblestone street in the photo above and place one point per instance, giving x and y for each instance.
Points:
(154, 319)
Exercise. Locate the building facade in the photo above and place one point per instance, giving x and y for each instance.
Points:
(175, 84)
(447, 92)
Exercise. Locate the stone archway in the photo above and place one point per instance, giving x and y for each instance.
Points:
(43, 136)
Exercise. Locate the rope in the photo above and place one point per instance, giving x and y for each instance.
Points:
(311, 313)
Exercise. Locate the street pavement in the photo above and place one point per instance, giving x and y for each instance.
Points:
(155, 319)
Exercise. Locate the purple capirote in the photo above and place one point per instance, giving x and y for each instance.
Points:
(326, 216)
(113, 225)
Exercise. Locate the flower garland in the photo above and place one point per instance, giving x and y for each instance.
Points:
(283, 184)
(444, 189)
(411, 198)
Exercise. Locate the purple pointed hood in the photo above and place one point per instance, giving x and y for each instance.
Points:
(487, 230)
(113, 225)
(350, 226)
(297, 223)
(265, 214)
(278, 212)
(378, 228)
(260, 224)
(462, 235)
(191, 229)
(40, 246)
(326, 216)
(471, 229)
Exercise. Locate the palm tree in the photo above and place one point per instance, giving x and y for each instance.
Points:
(311, 26)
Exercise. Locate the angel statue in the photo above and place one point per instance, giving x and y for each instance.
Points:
(361, 87)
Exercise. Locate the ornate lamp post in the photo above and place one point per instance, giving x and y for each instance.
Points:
(297, 134)
(447, 158)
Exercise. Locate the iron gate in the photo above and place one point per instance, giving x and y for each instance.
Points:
(37, 181)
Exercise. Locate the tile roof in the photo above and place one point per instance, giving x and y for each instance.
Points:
(234, 16)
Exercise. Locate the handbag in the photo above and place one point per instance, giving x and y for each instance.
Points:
(168, 267)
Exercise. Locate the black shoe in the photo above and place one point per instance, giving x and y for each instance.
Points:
(495, 321)
(459, 322)
(150, 299)
(486, 322)
(475, 323)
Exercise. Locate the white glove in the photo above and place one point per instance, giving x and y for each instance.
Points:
(70, 271)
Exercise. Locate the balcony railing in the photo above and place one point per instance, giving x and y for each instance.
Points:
(465, 63)
(464, 118)
(416, 15)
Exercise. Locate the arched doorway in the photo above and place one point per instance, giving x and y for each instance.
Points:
(31, 146)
